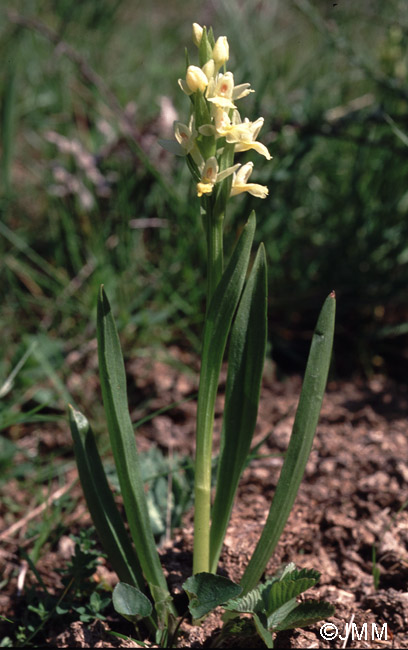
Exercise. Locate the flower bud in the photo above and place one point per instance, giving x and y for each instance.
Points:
(197, 34)
(209, 69)
(196, 79)
(220, 51)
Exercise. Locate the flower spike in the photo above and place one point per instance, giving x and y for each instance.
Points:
(215, 132)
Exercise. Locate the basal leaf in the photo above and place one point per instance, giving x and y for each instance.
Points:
(300, 443)
(105, 515)
(121, 434)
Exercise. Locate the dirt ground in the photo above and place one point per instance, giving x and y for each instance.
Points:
(352, 500)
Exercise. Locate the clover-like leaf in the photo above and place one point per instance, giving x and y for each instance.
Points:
(206, 591)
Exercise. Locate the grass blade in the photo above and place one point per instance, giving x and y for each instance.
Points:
(300, 444)
(99, 498)
(218, 322)
(114, 393)
(245, 366)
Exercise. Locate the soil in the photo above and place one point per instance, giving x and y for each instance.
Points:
(351, 504)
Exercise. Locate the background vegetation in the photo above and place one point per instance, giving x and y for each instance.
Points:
(89, 197)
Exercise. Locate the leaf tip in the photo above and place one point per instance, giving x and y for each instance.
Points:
(252, 217)
(103, 302)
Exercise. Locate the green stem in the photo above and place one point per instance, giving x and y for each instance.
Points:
(202, 513)
(215, 254)
(202, 489)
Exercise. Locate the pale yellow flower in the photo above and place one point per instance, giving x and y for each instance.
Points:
(196, 79)
(239, 183)
(221, 51)
(225, 128)
(186, 137)
(209, 69)
(221, 90)
(197, 34)
(210, 175)
(246, 134)
(242, 134)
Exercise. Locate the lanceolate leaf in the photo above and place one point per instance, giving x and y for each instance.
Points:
(122, 437)
(300, 443)
(206, 591)
(105, 515)
(245, 366)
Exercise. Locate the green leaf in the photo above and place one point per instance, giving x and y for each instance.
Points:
(249, 603)
(262, 629)
(105, 515)
(287, 588)
(245, 367)
(292, 573)
(281, 613)
(307, 613)
(281, 592)
(300, 444)
(268, 596)
(122, 438)
(130, 602)
(206, 591)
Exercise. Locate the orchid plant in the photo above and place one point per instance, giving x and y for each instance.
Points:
(236, 311)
